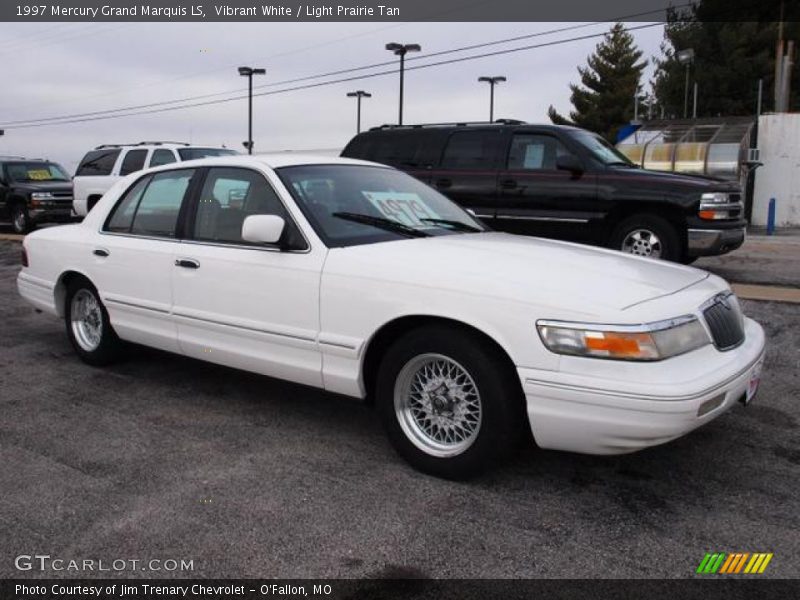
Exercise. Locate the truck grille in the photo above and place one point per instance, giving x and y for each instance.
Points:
(724, 319)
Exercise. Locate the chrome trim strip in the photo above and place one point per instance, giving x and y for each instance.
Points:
(245, 327)
(31, 280)
(554, 219)
(134, 305)
(614, 328)
(338, 345)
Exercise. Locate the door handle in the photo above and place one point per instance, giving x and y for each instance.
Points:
(444, 183)
(101, 252)
(187, 263)
(508, 184)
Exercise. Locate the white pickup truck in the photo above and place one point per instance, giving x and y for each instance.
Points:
(105, 165)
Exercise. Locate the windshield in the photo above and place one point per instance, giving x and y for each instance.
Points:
(193, 153)
(35, 171)
(350, 205)
(601, 149)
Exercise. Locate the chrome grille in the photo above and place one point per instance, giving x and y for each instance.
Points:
(724, 319)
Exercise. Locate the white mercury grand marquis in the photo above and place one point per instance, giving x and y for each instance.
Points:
(357, 278)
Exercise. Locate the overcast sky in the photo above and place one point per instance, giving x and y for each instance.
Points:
(53, 69)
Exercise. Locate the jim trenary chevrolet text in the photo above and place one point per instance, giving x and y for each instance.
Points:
(359, 279)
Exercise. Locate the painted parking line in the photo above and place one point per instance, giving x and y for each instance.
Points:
(768, 293)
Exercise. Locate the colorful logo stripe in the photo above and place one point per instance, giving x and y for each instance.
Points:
(734, 563)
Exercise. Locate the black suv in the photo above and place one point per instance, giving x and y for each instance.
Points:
(565, 183)
(33, 191)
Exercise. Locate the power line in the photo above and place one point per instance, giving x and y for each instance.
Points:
(320, 84)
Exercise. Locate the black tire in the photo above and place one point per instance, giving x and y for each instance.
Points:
(503, 418)
(108, 347)
(668, 239)
(20, 219)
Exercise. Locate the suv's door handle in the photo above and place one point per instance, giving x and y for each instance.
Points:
(187, 263)
(444, 183)
(102, 252)
(508, 184)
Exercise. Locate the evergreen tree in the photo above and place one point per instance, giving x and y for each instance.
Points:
(604, 100)
(734, 45)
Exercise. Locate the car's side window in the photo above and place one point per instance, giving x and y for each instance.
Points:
(470, 150)
(534, 152)
(162, 156)
(98, 162)
(133, 161)
(228, 197)
(121, 218)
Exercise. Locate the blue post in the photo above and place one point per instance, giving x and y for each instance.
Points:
(771, 217)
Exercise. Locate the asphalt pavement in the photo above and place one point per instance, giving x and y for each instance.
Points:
(163, 457)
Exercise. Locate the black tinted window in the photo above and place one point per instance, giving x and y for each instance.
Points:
(470, 150)
(98, 162)
(395, 149)
(194, 153)
(162, 157)
(133, 161)
(534, 152)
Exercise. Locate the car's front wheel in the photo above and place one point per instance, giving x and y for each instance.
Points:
(88, 326)
(449, 402)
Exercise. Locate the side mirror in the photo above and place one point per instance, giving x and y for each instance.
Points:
(569, 162)
(263, 229)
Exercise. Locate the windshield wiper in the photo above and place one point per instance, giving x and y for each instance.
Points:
(456, 225)
(381, 223)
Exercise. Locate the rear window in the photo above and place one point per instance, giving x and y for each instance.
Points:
(98, 162)
(194, 153)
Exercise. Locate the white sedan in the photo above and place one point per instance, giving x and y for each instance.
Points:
(359, 279)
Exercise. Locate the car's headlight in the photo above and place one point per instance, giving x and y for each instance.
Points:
(651, 341)
(41, 196)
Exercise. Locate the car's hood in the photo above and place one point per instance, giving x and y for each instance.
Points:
(690, 181)
(578, 278)
(44, 186)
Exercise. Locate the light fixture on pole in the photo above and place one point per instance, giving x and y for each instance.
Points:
(492, 81)
(359, 95)
(249, 72)
(401, 50)
(686, 57)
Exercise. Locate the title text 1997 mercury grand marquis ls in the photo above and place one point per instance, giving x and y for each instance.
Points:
(361, 280)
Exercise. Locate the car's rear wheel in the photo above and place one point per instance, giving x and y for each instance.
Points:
(20, 219)
(450, 404)
(647, 235)
(88, 326)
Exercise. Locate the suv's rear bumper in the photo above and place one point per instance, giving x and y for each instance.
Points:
(711, 242)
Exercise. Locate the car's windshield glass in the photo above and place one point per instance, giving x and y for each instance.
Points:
(193, 153)
(601, 149)
(350, 205)
(35, 171)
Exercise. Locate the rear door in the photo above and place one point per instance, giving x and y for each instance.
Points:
(537, 198)
(133, 258)
(468, 170)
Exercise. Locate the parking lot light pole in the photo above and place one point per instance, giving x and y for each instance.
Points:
(359, 95)
(401, 50)
(492, 81)
(686, 57)
(249, 72)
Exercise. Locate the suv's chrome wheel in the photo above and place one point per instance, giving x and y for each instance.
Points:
(437, 405)
(20, 220)
(642, 242)
(86, 319)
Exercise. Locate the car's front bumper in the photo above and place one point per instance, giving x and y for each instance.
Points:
(615, 416)
(52, 215)
(712, 242)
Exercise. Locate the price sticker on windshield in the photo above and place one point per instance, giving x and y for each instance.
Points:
(403, 207)
(39, 174)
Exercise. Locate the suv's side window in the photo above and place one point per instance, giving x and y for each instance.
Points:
(161, 156)
(133, 161)
(229, 196)
(152, 205)
(98, 162)
(535, 152)
(470, 150)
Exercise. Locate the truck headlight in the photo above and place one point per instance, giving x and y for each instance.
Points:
(647, 342)
(716, 206)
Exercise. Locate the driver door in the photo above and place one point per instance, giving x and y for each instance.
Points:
(248, 306)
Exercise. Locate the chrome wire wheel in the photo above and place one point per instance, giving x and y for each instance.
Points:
(86, 320)
(20, 220)
(437, 405)
(642, 242)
